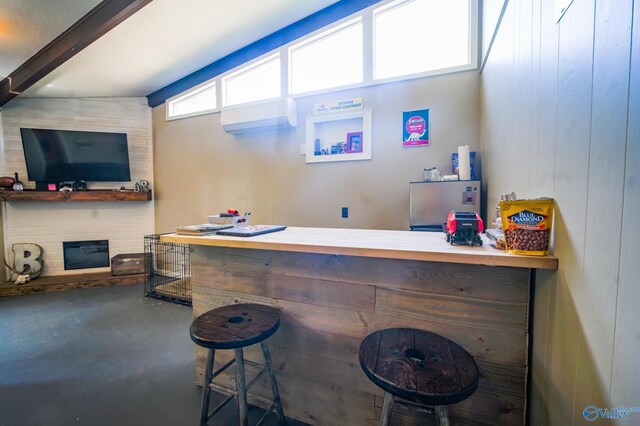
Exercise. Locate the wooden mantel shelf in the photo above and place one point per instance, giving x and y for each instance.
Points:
(94, 195)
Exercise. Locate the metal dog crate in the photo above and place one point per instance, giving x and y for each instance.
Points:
(168, 276)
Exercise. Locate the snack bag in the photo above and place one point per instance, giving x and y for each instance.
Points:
(527, 225)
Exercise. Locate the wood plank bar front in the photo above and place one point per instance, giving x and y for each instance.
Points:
(335, 286)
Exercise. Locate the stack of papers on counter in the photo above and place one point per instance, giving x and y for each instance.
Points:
(202, 229)
(251, 230)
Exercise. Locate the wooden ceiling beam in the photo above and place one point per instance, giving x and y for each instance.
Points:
(100, 20)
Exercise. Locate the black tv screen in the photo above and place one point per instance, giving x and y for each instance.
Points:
(69, 155)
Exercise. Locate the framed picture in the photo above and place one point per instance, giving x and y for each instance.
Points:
(354, 142)
(344, 136)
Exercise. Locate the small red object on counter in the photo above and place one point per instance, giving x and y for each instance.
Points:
(464, 228)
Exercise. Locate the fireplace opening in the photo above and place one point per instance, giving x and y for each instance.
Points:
(86, 254)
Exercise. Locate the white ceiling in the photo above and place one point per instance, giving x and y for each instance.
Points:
(26, 26)
(163, 42)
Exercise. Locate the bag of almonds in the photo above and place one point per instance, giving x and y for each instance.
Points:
(527, 225)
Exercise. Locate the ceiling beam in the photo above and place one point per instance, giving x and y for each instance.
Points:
(100, 20)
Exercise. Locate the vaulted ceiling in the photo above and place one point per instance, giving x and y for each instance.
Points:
(160, 43)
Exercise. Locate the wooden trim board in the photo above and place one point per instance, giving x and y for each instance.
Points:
(95, 195)
(68, 282)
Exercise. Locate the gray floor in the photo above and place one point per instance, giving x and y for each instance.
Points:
(100, 356)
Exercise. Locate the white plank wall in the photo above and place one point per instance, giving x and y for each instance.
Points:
(560, 108)
(624, 378)
(48, 224)
(605, 189)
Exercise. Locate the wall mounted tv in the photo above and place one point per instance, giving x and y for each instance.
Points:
(55, 156)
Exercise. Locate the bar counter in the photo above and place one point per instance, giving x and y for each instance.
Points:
(335, 286)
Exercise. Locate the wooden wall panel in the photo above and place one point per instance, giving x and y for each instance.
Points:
(295, 289)
(571, 189)
(545, 66)
(325, 402)
(324, 318)
(625, 383)
(306, 366)
(579, 137)
(485, 345)
(607, 150)
(454, 310)
(315, 352)
(49, 224)
(437, 277)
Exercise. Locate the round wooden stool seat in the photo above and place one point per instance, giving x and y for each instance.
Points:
(419, 366)
(235, 326)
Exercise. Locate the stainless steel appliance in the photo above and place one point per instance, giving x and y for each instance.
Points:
(431, 202)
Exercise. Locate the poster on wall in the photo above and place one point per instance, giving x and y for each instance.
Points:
(415, 129)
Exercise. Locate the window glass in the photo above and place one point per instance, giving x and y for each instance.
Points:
(331, 59)
(199, 100)
(260, 80)
(420, 35)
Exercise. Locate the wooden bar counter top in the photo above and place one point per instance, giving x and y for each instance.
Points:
(335, 286)
(430, 246)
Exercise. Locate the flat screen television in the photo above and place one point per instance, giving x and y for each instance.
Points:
(54, 156)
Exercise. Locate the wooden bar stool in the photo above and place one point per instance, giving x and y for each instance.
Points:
(420, 367)
(235, 327)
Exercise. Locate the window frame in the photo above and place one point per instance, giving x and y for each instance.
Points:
(247, 67)
(473, 40)
(318, 36)
(366, 17)
(191, 92)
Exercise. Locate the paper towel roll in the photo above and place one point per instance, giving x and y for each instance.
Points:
(464, 163)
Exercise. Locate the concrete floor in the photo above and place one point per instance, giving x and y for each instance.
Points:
(99, 356)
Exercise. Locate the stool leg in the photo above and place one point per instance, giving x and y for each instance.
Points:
(241, 387)
(443, 415)
(387, 409)
(206, 390)
(274, 385)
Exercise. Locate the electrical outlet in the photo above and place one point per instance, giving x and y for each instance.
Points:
(345, 212)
